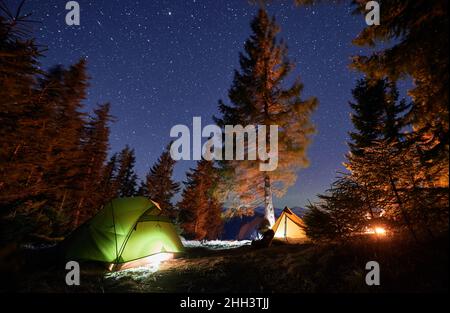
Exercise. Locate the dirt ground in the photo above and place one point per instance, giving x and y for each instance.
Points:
(405, 267)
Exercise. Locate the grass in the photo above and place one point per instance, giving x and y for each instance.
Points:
(333, 267)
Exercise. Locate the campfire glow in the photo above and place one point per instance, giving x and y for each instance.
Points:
(377, 230)
(380, 231)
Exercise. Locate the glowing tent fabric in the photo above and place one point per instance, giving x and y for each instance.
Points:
(124, 230)
(289, 227)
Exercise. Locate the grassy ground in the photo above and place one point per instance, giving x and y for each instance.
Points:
(405, 267)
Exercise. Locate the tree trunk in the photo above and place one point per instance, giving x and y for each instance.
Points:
(268, 210)
(368, 199)
(269, 213)
(403, 212)
(196, 234)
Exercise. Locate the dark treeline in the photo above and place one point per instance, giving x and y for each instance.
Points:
(52, 152)
(54, 168)
(52, 155)
(200, 211)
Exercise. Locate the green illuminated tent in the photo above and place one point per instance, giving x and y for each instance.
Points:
(125, 230)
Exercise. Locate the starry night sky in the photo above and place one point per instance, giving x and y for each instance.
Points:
(160, 63)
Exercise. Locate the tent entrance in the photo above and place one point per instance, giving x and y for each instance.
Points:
(151, 260)
(153, 239)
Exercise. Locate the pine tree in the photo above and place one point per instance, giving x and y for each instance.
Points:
(396, 174)
(338, 213)
(126, 178)
(65, 90)
(159, 185)
(367, 113)
(41, 127)
(21, 116)
(377, 115)
(199, 209)
(386, 164)
(108, 186)
(396, 115)
(258, 97)
(25, 117)
(383, 167)
(51, 156)
(94, 152)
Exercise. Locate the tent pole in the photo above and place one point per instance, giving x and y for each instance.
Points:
(115, 233)
(285, 226)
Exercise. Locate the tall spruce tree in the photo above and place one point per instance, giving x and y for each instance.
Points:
(396, 115)
(94, 152)
(199, 209)
(66, 90)
(159, 185)
(382, 161)
(259, 97)
(22, 119)
(126, 178)
(108, 186)
(377, 113)
(379, 160)
(367, 113)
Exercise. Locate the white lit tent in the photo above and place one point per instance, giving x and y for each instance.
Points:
(289, 227)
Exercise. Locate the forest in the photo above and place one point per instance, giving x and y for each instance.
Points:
(57, 170)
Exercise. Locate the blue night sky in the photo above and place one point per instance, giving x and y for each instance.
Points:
(160, 63)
